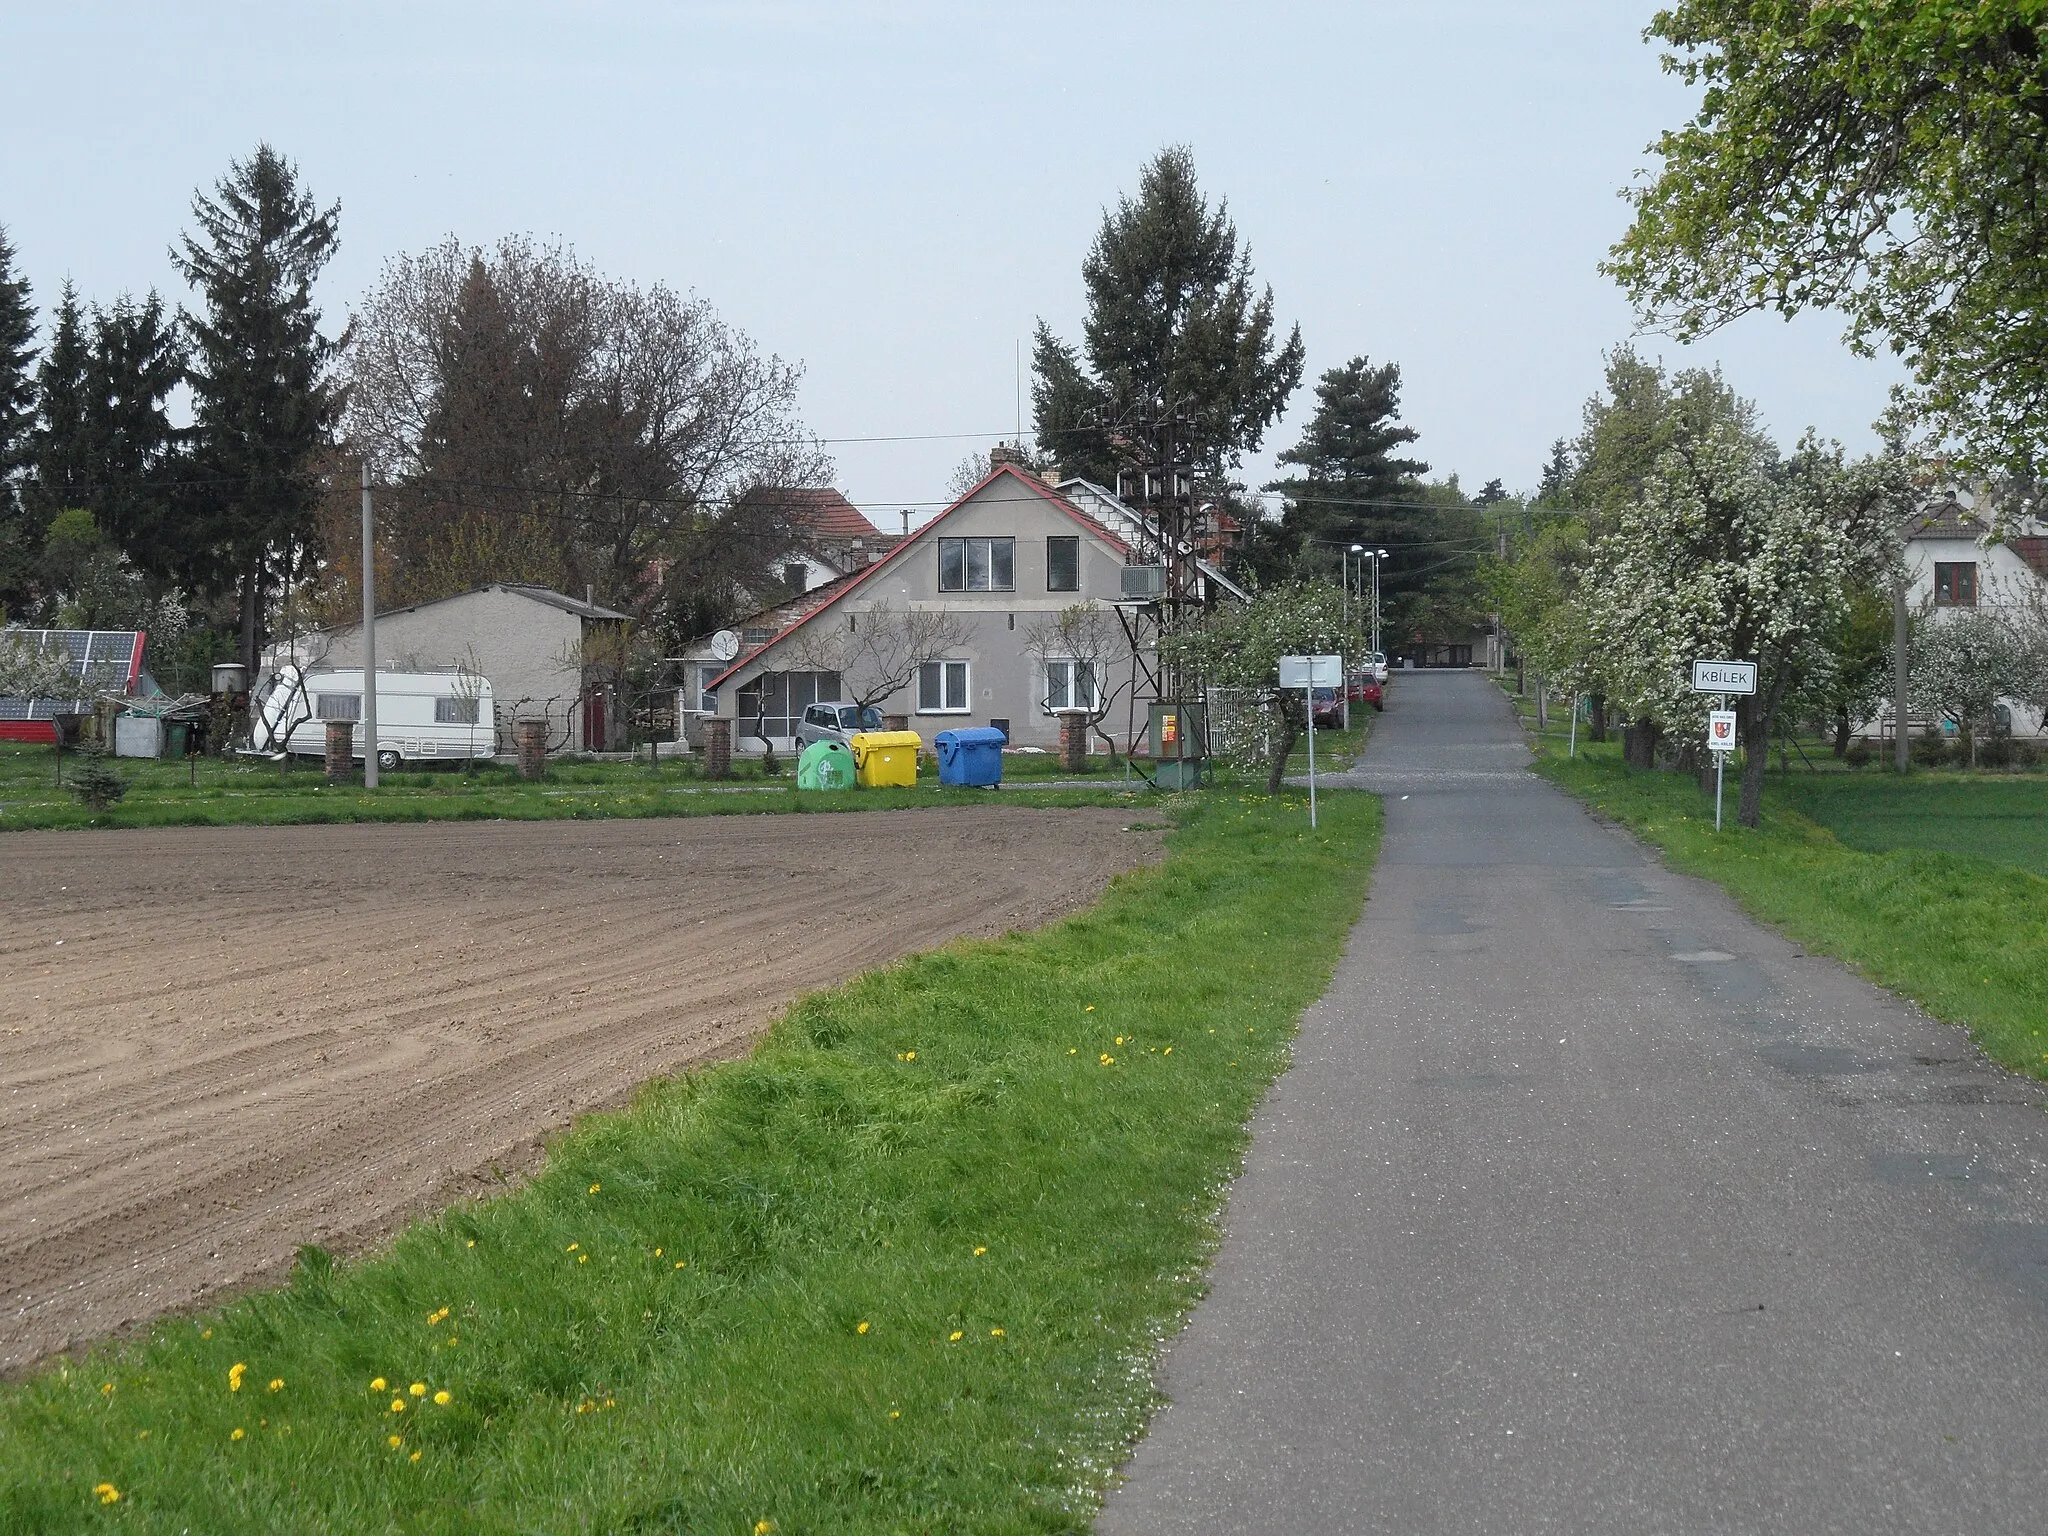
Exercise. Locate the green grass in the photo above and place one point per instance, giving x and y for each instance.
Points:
(1955, 926)
(2003, 818)
(1005, 1159)
(216, 792)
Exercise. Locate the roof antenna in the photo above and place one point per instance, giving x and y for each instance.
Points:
(1019, 344)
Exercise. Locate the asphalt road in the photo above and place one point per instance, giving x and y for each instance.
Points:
(1589, 1205)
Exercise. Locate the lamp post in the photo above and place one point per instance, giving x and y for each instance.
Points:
(1355, 550)
(1377, 556)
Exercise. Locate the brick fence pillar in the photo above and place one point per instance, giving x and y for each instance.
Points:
(341, 750)
(717, 748)
(1073, 742)
(530, 743)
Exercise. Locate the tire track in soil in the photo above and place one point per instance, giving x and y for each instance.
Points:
(251, 1038)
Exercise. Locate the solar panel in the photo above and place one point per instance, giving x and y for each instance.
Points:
(103, 660)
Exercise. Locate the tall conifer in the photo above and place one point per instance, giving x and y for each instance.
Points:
(17, 420)
(263, 400)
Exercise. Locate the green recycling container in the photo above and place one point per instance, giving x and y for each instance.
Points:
(825, 765)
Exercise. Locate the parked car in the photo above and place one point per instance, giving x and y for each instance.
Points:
(835, 722)
(1367, 689)
(1329, 709)
(1376, 664)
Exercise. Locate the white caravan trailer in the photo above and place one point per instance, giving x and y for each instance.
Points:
(421, 716)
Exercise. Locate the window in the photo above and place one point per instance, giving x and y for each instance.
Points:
(1070, 685)
(942, 688)
(455, 711)
(338, 706)
(977, 565)
(772, 704)
(1955, 585)
(753, 637)
(1063, 565)
(796, 576)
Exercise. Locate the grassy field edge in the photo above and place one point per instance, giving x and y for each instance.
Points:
(908, 1267)
(1959, 935)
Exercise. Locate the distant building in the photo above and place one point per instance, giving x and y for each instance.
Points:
(547, 655)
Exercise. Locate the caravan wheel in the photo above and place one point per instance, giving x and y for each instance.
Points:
(387, 761)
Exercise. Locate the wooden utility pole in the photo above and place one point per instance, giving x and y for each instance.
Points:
(1902, 749)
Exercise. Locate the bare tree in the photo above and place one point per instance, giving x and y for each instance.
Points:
(534, 417)
(877, 651)
(1086, 641)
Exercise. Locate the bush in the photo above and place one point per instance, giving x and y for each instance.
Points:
(96, 783)
(1930, 749)
(1859, 754)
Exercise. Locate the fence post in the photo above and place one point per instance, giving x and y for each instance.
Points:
(341, 750)
(530, 742)
(717, 748)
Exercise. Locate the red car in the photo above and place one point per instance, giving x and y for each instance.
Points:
(1367, 689)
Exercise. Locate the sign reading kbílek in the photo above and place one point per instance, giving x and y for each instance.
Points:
(1720, 730)
(1724, 677)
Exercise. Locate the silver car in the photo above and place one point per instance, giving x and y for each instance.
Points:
(835, 722)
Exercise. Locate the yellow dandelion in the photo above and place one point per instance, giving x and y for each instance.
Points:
(239, 1432)
(444, 1397)
(235, 1375)
(1071, 1051)
(142, 1435)
(1107, 1059)
(995, 1333)
(1119, 1039)
(394, 1441)
(979, 1252)
(206, 1333)
(572, 1248)
(1169, 1050)
(657, 1253)
(398, 1405)
(582, 1258)
(955, 1337)
(106, 1389)
(106, 1493)
(418, 1389)
(609, 1403)
(595, 1188)
(376, 1383)
(277, 1383)
(681, 1262)
(910, 1055)
(862, 1328)
(472, 1242)
(414, 1457)
(435, 1317)
(1089, 1009)
(763, 1527)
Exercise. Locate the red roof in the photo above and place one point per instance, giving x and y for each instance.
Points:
(820, 509)
(832, 591)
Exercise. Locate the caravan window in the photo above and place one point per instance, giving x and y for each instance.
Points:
(455, 711)
(338, 706)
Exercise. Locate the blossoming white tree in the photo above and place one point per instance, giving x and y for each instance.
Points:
(1732, 554)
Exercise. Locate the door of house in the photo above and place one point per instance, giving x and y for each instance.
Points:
(594, 738)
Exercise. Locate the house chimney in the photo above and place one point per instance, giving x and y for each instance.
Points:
(1005, 453)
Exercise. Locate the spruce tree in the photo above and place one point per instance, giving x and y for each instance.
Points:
(1173, 320)
(137, 359)
(62, 452)
(17, 423)
(1352, 486)
(262, 395)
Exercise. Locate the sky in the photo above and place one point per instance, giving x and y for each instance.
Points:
(893, 194)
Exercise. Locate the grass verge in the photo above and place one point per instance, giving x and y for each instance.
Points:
(1959, 933)
(905, 1268)
(214, 792)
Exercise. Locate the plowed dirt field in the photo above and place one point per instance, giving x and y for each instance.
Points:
(219, 1043)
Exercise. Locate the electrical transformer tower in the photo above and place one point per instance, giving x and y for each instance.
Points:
(1159, 482)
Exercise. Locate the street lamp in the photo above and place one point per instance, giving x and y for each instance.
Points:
(1356, 549)
(1378, 557)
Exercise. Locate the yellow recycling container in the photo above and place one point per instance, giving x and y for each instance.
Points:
(885, 757)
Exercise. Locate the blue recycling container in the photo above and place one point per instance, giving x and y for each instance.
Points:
(972, 756)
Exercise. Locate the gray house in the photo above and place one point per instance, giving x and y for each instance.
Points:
(546, 655)
(983, 613)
